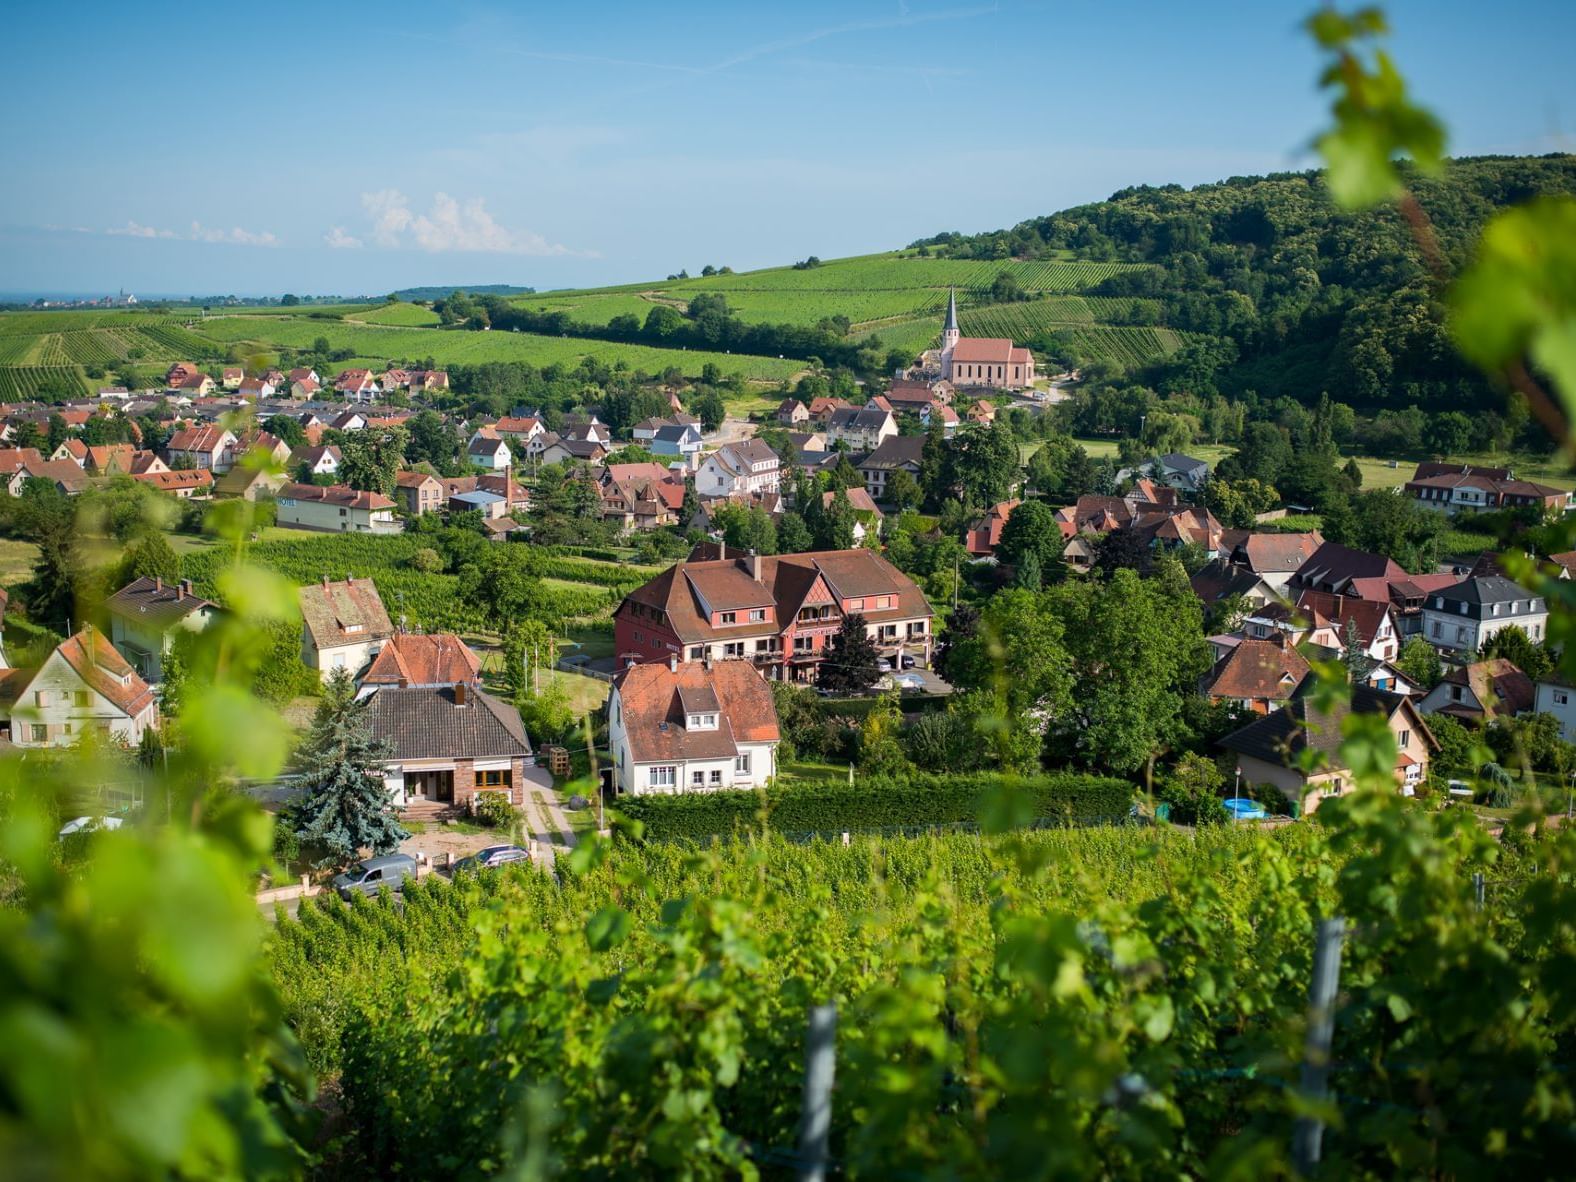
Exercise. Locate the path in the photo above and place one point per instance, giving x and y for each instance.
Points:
(544, 819)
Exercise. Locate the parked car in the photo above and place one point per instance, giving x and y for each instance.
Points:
(493, 855)
(89, 825)
(884, 665)
(906, 661)
(367, 875)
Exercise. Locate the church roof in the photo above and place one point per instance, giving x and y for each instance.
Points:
(952, 311)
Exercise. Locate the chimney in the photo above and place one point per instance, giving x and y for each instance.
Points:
(158, 583)
(722, 549)
(460, 691)
(755, 566)
(182, 589)
(404, 683)
(673, 662)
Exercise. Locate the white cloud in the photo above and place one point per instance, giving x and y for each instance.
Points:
(339, 240)
(136, 230)
(199, 233)
(448, 226)
(235, 236)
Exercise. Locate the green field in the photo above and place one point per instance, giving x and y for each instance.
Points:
(400, 315)
(896, 296)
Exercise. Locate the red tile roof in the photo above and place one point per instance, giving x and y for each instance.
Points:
(653, 699)
(94, 659)
(1257, 670)
(416, 660)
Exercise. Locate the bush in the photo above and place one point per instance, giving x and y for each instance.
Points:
(493, 810)
(427, 560)
(912, 802)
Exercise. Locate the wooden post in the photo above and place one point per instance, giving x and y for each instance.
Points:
(815, 1117)
(1308, 1135)
(1477, 889)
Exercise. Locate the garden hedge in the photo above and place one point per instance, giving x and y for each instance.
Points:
(917, 802)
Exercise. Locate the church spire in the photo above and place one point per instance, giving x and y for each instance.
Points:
(952, 311)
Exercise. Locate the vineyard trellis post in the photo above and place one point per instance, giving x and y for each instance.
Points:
(815, 1117)
(1308, 1134)
(1477, 889)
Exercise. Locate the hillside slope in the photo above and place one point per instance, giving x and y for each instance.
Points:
(1296, 296)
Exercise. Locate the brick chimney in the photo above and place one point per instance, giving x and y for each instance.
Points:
(460, 692)
(722, 549)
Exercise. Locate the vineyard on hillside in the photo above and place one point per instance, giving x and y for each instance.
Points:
(23, 383)
(400, 315)
(1114, 1003)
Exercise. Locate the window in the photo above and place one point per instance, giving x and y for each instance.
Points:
(40, 697)
(1439, 630)
(493, 778)
(1455, 693)
(757, 615)
(1561, 698)
(729, 617)
(716, 777)
(698, 779)
(39, 732)
(697, 653)
(661, 777)
(733, 649)
(741, 764)
(83, 697)
(1403, 738)
(1461, 635)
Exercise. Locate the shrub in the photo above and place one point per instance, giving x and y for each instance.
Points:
(885, 803)
(493, 810)
(427, 560)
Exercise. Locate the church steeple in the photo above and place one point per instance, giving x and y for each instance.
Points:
(949, 333)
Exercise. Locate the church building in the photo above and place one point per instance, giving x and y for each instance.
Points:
(990, 362)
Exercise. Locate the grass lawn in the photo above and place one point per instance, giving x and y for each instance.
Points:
(808, 772)
(16, 561)
(592, 642)
(585, 693)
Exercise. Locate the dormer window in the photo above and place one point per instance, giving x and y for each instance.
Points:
(702, 722)
(355, 627)
(728, 617)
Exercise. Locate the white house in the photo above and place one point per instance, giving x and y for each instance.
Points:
(488, 450)
(319, 461)
(343, 625)
(748, 466)
(145, 615)
(336, 508)
(1462, 619)
(693, 727)
(861, 427)
(83, 686)
(1559, 699)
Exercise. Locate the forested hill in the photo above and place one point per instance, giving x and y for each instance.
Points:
(1295, 296)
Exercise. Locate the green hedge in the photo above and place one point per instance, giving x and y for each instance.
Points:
(919, 802)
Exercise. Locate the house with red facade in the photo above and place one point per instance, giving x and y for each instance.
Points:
(779, 611)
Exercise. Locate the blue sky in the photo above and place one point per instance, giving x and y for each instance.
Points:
(355, 148)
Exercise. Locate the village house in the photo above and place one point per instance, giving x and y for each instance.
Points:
(184, 484)
(1257, 675)
(349, 420)
(560, 450)
(1218, 581)
(868, 517)
(418, 493)
(449, 745)
(357, 385)
(1457, 488)
(1557, 697)
(231, 377)
(422, 661)
(979, 361)
(1333, 567)
(256, 388)
(982, 538)
(791, 412)
(250, 484)
(316, 460)
(305, 374)
(335, 508)
(523, 428)
(823, 407)
(748, 466)
(697, 727)
(681, 440)
(145, 616)
(1273, 557)
(343, 625)
(114, 459)
(487, 450)
(209, 446)
(861, 428)
(779, 611)
(1463, 618)
(83, 687)
(1271, 750)
(1329, 621)
(896, 453)
(916, 396)
(640, 496)
(72, 449)
(270, 447)
(1481, 691)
